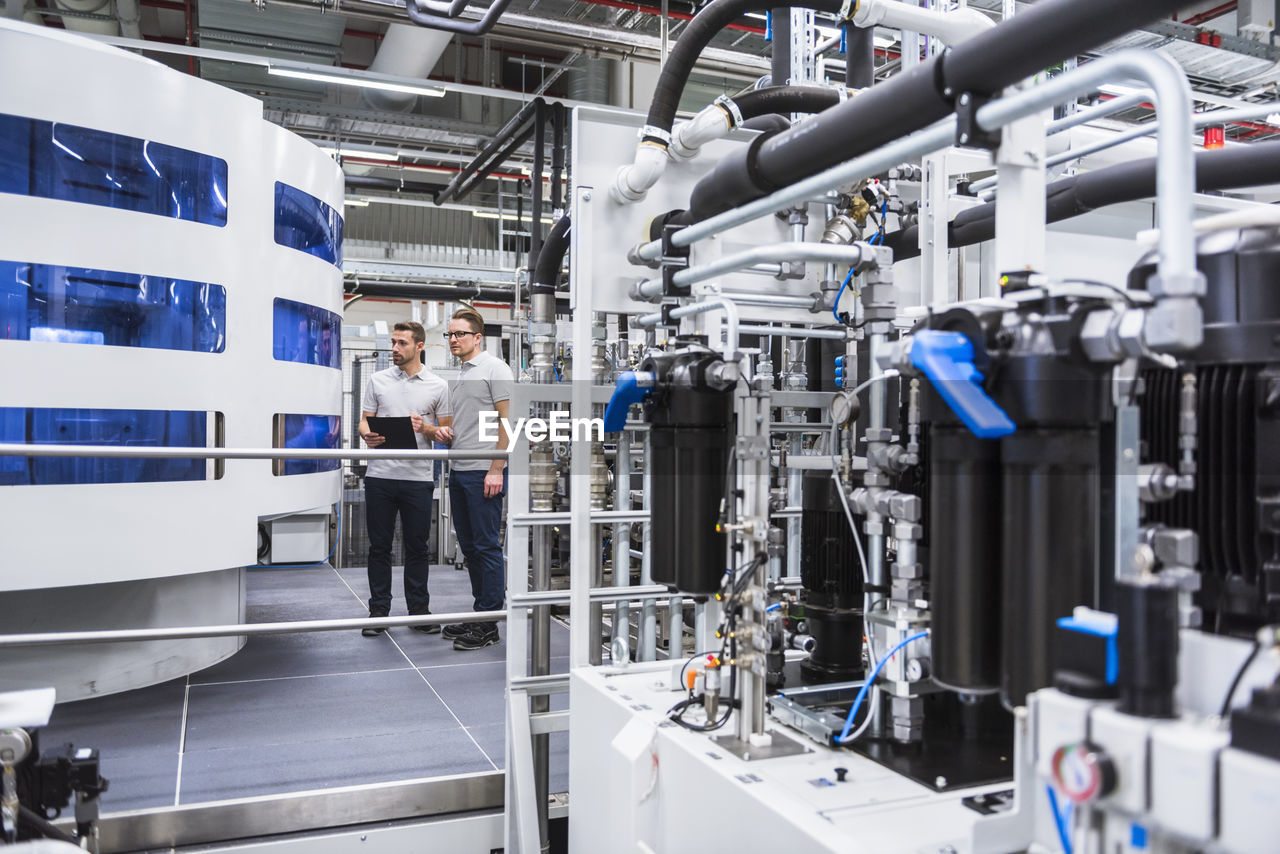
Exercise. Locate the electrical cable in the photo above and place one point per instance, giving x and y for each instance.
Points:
(853, 526)
(1235, 683)
(869, 683)
(48, 829)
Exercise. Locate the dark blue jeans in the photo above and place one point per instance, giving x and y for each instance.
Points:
(412, 500)
(478, 523)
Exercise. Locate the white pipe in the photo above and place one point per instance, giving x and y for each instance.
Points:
(407, 50)
(130, 18)
(713, 122)
(88, 25)
(730, 315)
(633, 181)
(950, 27)
(1261, 215)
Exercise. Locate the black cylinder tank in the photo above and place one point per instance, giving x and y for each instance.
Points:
(832, 579)
(1052, 487)
(690, 440)
(964, 559)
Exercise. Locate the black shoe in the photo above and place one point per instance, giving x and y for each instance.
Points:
(478, 637)
(453, 631)
(374, 631)
(432, 629)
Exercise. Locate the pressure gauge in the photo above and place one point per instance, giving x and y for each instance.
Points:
(1083, 772)
(844, 409)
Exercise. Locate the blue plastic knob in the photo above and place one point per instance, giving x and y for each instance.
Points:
(632, 387)
(946, 359)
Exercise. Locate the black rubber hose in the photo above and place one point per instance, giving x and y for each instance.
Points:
(547, 271)
(780, 46)
(444, 293)
(369, 182)
(1045, 33)
(859, 56)
(1225, 169)
(453, 25)
(43, 826)
(786, 99)
(513, 126)
(713, 18)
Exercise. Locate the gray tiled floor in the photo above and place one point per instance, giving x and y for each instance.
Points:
(307, 711)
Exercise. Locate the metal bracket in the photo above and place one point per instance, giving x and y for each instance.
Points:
(968, 133)
(674, 259)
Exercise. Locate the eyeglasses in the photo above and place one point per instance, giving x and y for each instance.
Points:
(449, 335)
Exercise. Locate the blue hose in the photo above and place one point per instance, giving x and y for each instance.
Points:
(870, 680)
(835, 306)
(1059, 819)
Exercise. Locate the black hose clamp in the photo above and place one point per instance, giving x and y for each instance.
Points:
(665, 310)
(674, 259)
(968, 133)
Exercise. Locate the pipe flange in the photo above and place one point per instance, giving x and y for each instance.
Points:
(655, 135)
(731, 108)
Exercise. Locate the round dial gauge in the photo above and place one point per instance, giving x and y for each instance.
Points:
(1083, 772)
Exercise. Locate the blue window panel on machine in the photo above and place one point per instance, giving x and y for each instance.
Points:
(43, 302)
(54, 160)
(131, 427)
(307, 224)
(306, 334)
(311, 431)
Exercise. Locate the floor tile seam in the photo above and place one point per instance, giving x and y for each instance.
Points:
(182, 741)
(447, 707)
(298, 676)
(400, 731)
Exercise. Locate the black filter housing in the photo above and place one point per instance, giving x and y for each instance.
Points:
(1052, 490)
(1235, 507)
(690, 443)
(964, 559)
(832, 579)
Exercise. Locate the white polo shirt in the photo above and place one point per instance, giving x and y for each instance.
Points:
(394, 393)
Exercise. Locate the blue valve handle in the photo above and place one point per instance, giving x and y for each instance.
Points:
(632, 387)
(946, 358)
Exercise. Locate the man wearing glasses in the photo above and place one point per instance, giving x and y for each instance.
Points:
(476, 487)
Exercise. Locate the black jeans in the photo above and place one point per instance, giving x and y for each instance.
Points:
(412, 499)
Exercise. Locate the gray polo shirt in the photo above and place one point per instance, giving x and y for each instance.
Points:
(394, 393)
(483, 381)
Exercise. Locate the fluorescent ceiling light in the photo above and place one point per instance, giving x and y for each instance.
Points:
(353, 80)
(355, 203)
(389, 156)
(507, 216)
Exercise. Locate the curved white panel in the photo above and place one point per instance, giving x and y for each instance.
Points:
(82, 535)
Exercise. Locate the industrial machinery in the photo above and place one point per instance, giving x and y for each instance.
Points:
(894, 522)
(1033, 570)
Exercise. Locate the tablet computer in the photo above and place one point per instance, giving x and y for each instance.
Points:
(398, 432)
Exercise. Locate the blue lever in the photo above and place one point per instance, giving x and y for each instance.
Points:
(946, 358)
(632, 387)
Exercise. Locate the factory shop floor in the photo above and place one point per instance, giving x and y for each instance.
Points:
(297, 712)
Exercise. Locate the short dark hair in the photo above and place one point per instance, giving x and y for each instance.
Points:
(414, 328)
(472, 317)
